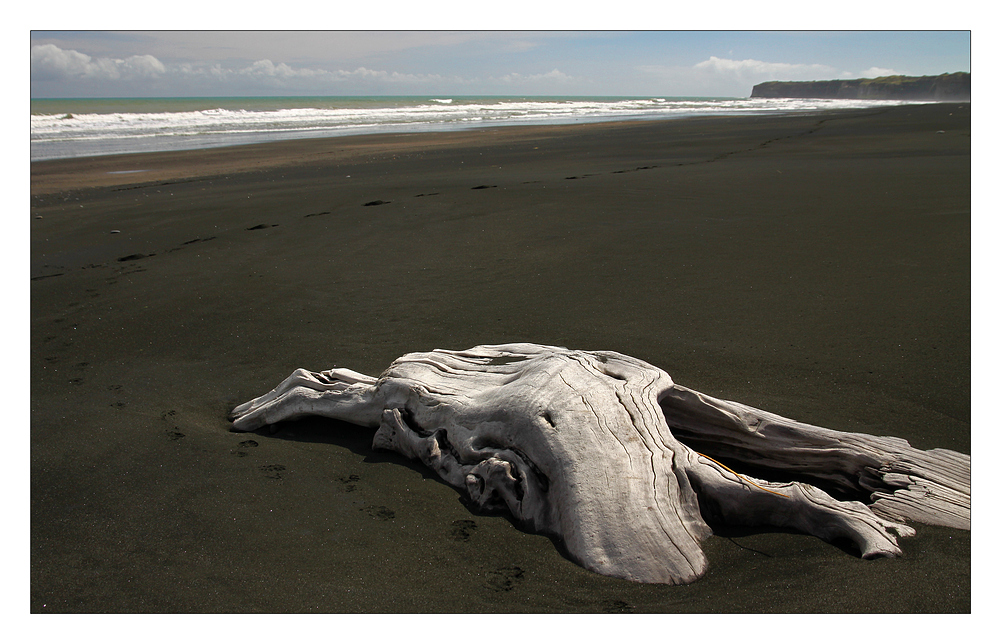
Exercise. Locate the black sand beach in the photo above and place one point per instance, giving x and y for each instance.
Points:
(816, 266)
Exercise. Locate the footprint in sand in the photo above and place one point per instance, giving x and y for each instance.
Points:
(272, 471)
(173, 433)
(116, 388)
(348, 482)
(380, 512)
(617, 607)
(187, 243)
(636, 169)
(505, 578)
(245, 444)
(461, 530)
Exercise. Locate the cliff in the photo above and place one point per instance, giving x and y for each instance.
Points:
(946, 87)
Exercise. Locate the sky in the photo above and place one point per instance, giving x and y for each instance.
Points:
(74, 64)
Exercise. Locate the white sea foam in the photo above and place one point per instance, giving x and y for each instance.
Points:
(83, 133)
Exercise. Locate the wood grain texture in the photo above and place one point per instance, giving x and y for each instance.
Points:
(604, 452)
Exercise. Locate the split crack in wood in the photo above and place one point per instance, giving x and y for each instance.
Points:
(605, 453)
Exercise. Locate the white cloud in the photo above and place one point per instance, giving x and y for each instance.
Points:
(74, 71)
(392, 77)
(750, 69)
(145, 66)
(875, 72)
(554, 75)
(267, 69)
(49, 62)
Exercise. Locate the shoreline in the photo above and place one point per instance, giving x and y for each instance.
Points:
(235, 123)
(52, 175)
(186, 130)
(816, 266)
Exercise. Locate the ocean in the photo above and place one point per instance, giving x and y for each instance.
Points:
(66, 128)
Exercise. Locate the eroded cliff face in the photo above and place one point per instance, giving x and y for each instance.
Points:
(946, 87)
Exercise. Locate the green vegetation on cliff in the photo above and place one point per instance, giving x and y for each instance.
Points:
(946, 87)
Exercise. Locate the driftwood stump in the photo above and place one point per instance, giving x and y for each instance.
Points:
(606, 453)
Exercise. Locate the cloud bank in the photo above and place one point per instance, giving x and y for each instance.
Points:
(68, 72)
(757, 69)
(58, 72)
(49, 62)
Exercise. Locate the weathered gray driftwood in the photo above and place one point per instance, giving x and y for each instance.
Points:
(606, 453)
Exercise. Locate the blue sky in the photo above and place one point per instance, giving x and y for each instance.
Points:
(358, 62)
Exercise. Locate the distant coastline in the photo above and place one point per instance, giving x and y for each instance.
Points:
(956, 87)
